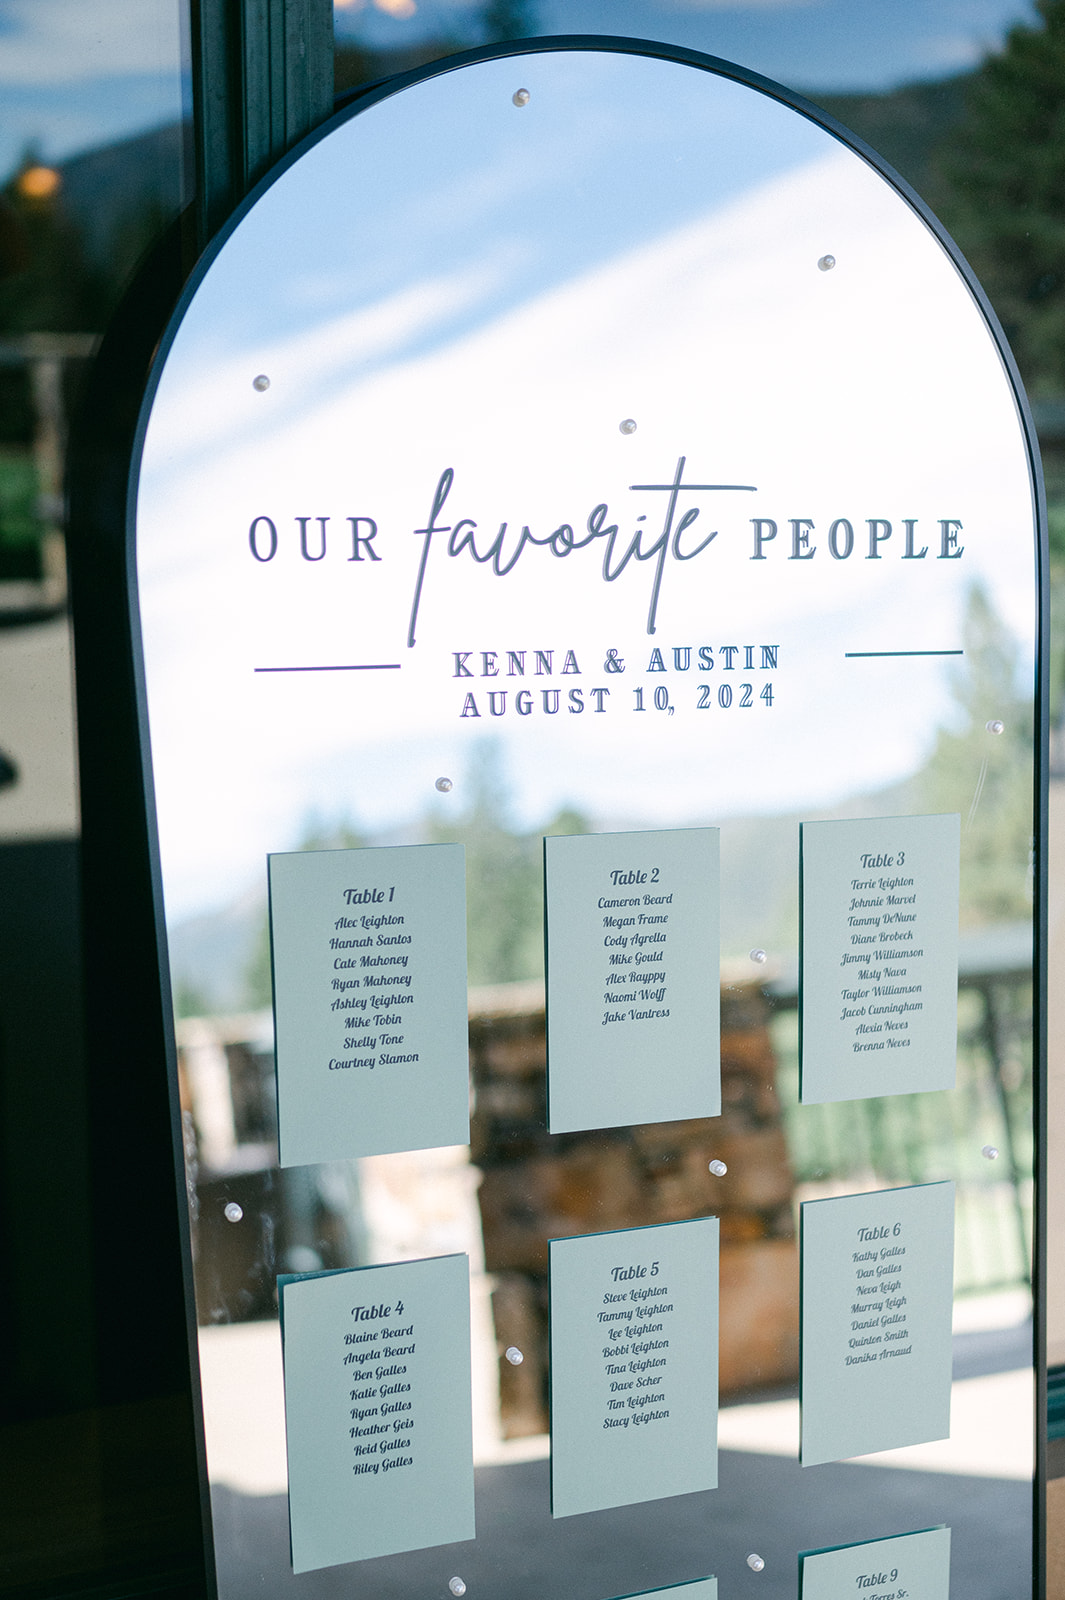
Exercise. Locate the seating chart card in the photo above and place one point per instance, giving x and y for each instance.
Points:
(632, 978)
(911, 1566)
(369, 962)
(633, 1365)
(877, 1297)
(377, 1410)
(699, 1589)
(879, 956)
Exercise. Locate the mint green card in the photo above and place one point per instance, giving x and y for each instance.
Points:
(911, 1566)
(878, 956)
(377, 1410)
(877, 1301)
(633, 1365)
(370, 1013)
(699, 1589)
(632, 978)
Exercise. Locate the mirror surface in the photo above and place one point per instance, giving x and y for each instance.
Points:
(568, 443)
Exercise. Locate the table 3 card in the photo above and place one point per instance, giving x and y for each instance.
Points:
(633, 1365)
(879, 956)
(369, 963)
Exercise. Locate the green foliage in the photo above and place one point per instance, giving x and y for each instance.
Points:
(508, 19)
(318, 834)
(504, 874)
(1002, 171)
(985, 777)
(20, 528)
(190, 1001)
(906, 126)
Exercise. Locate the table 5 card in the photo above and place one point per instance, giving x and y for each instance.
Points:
(910, 1566)
(877, 1298)
(370, 1010)
(879, 957)
(633, 1365)
(377, 1410)
(632, 978)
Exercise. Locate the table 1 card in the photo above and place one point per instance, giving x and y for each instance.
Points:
(633, 1365)
(911, 1566)
(369, 959)
(632, 978)
(879, 962)
(377, 1410)
(877, 1301)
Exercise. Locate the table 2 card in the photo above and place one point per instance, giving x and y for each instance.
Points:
(369, 960)
(910, 1566)
(633, 1365)
(632, 978)
(879, 961)
(377, 1410)
(877, 1297)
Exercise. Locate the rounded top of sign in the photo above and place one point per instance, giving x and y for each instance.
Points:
(591, 366)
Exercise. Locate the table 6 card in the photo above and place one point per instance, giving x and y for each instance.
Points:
(370, 1010)
(632, 978)
(910, 1566)
(879, 957)
(877, 1300)
(377, 1410)
(633, 1365)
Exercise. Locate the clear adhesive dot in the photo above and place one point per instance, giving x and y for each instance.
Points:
(628, 426)
(718, 1168)
(445, 785)
(826, 263)
(514, 1356)
(759, 956)
(261, 383)
(990, 1152)
(457, 1586)
(520, 97)
(233, 1212)
(995, 727)
(755, 1562)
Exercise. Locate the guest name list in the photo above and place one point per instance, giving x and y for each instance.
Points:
(633, 1365)
(879, 980)
(632, 978)
(369, 952)
(377, 1410)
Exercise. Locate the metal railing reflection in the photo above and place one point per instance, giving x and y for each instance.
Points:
(980, 1134)
(516, 1186)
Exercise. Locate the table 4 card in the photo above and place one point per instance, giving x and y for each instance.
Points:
(377, 1410)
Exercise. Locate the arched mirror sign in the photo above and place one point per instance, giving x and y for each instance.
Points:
(586, 554)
